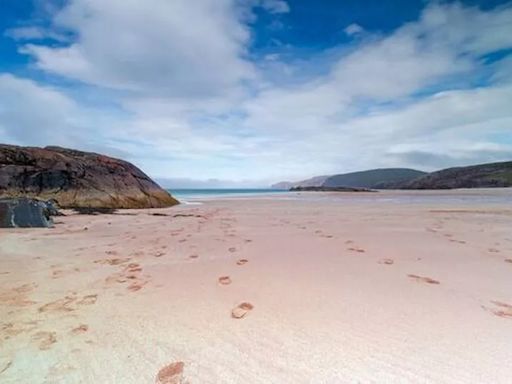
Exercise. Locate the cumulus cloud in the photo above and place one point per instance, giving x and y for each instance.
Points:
(34, 33)
(353, 29)
(276, 6)
(31, 114)
(174, 48)
(192, 105)
(35, 114)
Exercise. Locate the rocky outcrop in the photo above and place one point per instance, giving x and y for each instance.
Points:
(489, 175)
(25, 213)
(77, 179)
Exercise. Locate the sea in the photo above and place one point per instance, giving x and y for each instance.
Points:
(191, 195)
(441, 197)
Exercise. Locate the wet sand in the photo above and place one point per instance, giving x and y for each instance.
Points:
(309, 289)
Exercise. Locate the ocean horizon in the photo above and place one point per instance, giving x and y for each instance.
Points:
(196, 193)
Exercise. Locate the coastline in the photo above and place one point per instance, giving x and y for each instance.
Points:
(394, 286)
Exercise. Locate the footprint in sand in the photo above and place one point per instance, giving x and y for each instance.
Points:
(422, 279)
(501, 310)
(60, 305)
(136, 286)
(133, 267)
(87, 300)
(65, 304)
(387, 261)
(193, 256)
(170, 374)
(494, 250)
(224, 280)
(232, 249)
(508, 261)
(356, 249)
(82, 328)
(17, 296)
(58, 273)
(45, 339)
(242, 261)
(115, 261)
(241, 310)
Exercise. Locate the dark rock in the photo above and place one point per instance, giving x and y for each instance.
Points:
(24, 213)
(53, 209)
(77, 179)
(94, 211)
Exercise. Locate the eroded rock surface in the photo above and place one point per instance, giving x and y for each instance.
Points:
(77, 179)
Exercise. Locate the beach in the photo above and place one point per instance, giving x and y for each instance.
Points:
(387, 287)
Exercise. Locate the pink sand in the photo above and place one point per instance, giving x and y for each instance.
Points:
(342, 291)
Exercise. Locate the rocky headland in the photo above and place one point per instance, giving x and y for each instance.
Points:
(76, 179)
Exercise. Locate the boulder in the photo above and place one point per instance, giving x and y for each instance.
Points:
(25, 213)
(74, 179)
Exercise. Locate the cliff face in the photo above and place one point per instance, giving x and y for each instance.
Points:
(77, 179)
(383, 178)
(476, 176)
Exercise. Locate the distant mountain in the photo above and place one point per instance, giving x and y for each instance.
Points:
(283, 185)
(383, 178)
(476, 176)
(316, 181)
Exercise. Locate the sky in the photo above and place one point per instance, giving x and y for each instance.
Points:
(213, 93)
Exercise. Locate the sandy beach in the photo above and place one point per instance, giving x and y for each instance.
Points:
(393, 287)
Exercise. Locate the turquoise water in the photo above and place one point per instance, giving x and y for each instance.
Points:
(440, 197)
(187, 194)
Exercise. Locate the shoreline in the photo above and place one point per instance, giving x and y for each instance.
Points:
(332, 290)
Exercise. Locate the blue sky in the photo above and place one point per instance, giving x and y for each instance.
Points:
(246, 93)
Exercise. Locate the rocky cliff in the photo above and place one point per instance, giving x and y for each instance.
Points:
(77, 179)
(383, 178)
(489, 175)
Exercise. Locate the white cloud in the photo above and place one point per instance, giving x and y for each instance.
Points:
(34, 33)
(31, 114)
(353, 29)
(185, 110)
(275, 6)
(173, 48)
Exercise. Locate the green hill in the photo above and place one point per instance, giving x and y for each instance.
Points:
(375, 178)
(476, 176)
